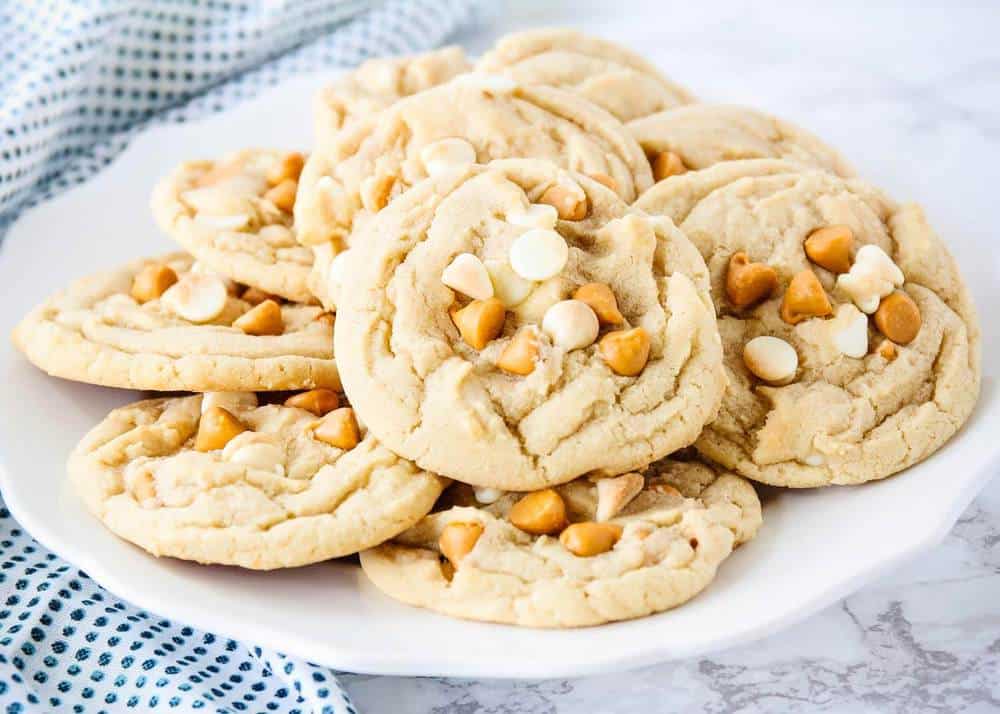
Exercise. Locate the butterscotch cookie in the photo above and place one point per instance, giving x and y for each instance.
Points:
(163, 324)
(235, 216)
(607, 74)
(216, 478)
(580, 554)
(851, 342)
(700, 135)
(516, 326)
(473, 118)
(377, 83)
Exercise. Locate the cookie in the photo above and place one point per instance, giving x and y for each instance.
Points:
(163, 324)
(700, 135)
(259, 487)
(472, 118)
(851, 342)
(235, 216)
(377, 83)
(667, 534)
(491, 341)
(607, 74)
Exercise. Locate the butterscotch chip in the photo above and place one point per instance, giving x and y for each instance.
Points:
(216, 428)
(590, 539)
(263, 319)
(667, 164)
(830, 247)
(317, 401)
(288, 167)
(283, 195)
(339, 428)
(570, 205)
(521, 355)
(255, 296)
(539, 513)
(602, 301)
(888, 350)
(898, 318)
(626, 351)
(458, 539)
(152, 281)
(480, 322)
(748, 283)
(804, 298)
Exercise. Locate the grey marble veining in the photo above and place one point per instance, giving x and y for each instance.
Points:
(911, 93)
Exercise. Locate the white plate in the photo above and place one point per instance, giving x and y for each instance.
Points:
(815, 546)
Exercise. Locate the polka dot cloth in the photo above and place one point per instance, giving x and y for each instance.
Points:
(79, 79)
(67, 645)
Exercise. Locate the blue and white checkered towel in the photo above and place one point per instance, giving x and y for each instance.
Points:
(78, 79)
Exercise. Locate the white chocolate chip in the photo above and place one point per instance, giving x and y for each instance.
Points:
(446, 154)
(771, 358)
(255, 450)
(230, 401)
(338, 269)
(488, 495)
(814, 459)
(467, 274)
(613, 494)
(849, 330)
(536, 215)
(509, 287)
(571, 324)
(197, 297)
(538, 254)
(872, 276)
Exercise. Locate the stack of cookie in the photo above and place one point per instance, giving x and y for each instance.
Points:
(577, 313)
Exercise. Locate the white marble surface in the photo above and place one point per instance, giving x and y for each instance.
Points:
(911, 93)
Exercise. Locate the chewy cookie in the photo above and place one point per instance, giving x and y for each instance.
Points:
(235, 216)
(516, 326)
(473, 118)
(700, 135)
(216, 478)
(607, 74)
(160, 324)
(377, 83)
(580, 554)
(851, 342)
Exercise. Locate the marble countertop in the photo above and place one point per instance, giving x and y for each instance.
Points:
(910, 92)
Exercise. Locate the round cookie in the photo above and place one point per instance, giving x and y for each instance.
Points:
(472, 118)
(379, 82)
(277, 495)
(164, 324)
(607, 74)
(535, 381)
(886, 364)
(700, 135)
(235, 216)
(667, 537)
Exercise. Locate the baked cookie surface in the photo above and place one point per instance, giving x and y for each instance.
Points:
(609, 75)
(235, 216)
(283, 492)
(379, 82)
(851, 342)
(163, 324)
(668, 532)
(473, 118)
(701, 135)
(491, 341)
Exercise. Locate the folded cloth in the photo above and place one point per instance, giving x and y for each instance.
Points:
(79, 79)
